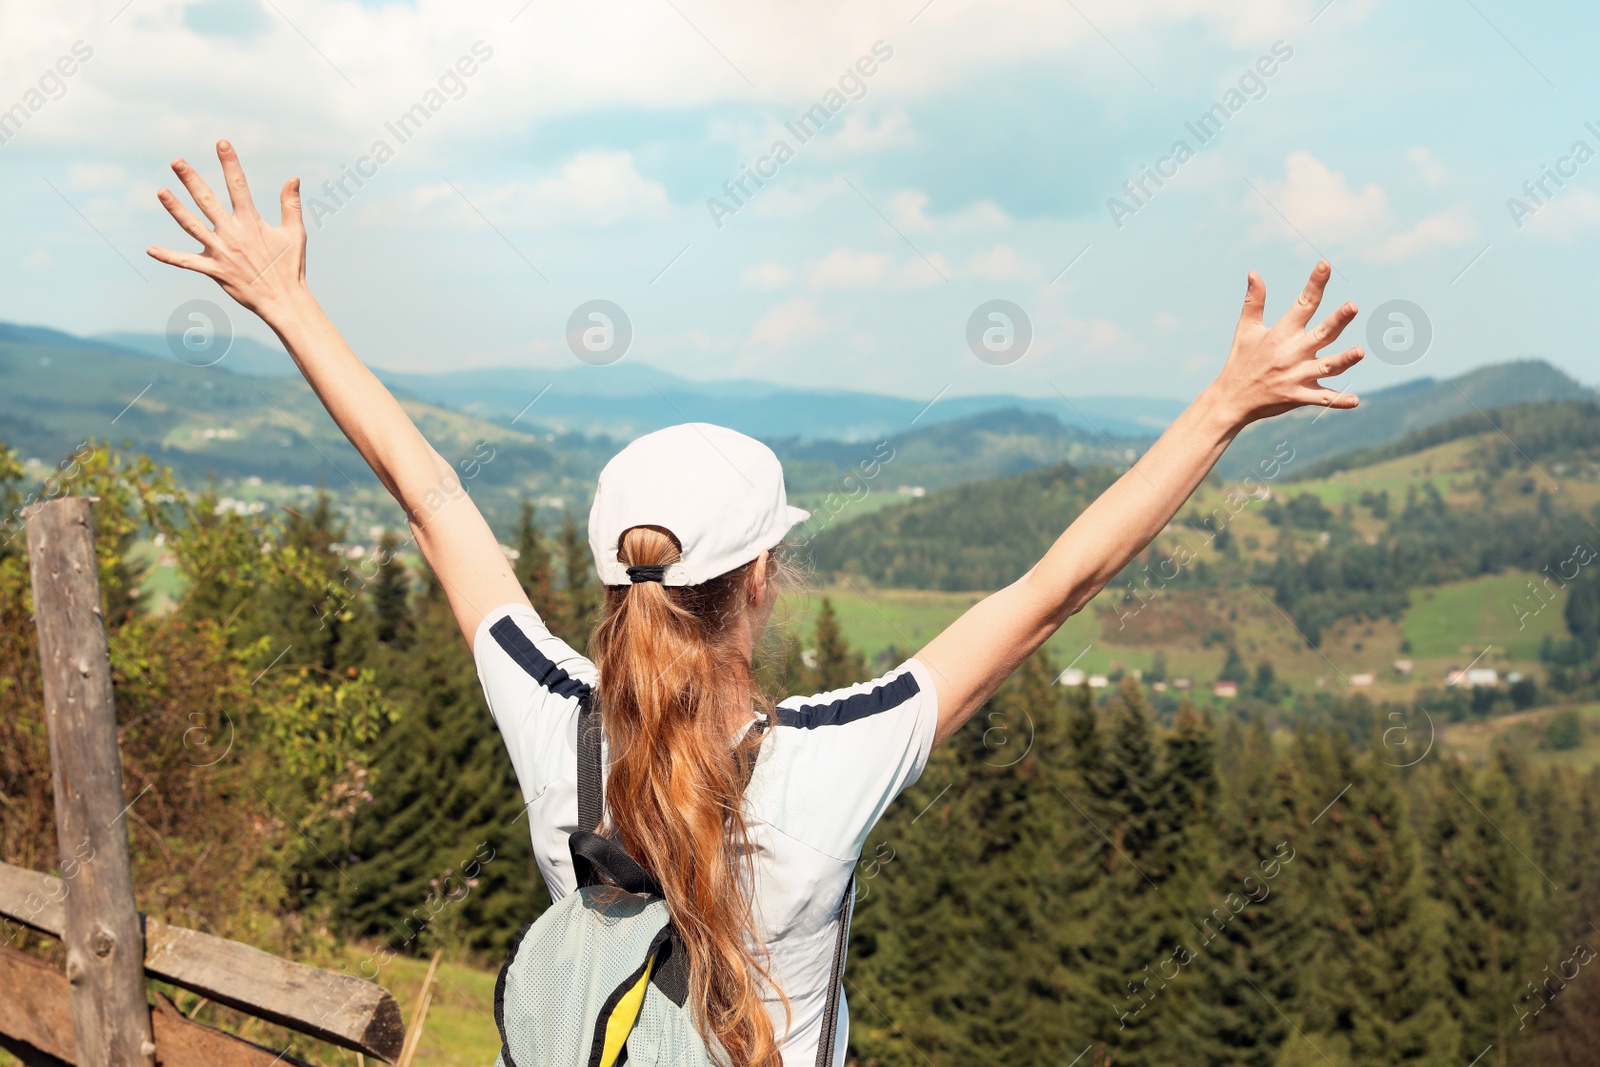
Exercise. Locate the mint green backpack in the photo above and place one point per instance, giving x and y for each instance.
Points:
(602, 978)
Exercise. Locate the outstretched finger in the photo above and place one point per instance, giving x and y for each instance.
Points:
(1319, 396)
(1329, 366)
(184, 217)
(1333, 326)
(1255, 299)
(204, 198)
(238, 188)
(1302, 309)
(289, 204)
(187, 260)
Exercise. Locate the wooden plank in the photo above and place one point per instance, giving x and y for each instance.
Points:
(337, 1008)
(181, 1043)
(37, 1007)
(36, 1024)
(105, 946)
(29, 1056)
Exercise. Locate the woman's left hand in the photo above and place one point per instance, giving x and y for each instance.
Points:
(1275, 369)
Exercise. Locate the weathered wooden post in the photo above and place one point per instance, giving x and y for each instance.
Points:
(104, 942)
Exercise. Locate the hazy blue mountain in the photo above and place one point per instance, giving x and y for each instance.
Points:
(630, 398)
(239, 428)
(246, 355)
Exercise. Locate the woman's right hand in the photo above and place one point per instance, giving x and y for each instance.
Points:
(261, 266)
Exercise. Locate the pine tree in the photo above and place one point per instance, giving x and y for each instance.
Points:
(1378, 989)
(1493, 906)
(1233, 669)
(1250, 970)
(1144, 933)
(580, 597)
(307, 593)
(978, 869)
(838, 665)
(1265, 686)
(391, 594)
(1582, 612)
(533, 569)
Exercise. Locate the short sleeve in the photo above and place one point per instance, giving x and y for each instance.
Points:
(532, 681)
(840, 758)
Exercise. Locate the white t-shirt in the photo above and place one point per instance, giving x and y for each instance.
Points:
(828, 768)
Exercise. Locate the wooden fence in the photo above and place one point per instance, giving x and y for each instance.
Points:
(98, 1013)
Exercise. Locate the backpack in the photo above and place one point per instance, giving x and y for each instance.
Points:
(602, 978)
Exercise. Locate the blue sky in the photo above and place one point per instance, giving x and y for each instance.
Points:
(576, 162)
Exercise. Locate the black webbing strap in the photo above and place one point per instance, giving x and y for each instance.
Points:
(830, 1014)
(594, 855)
(591, 797)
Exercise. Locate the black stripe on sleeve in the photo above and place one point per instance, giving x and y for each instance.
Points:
(849, 709)
(539, 666)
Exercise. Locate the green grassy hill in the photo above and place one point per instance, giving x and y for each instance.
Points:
(991, 444)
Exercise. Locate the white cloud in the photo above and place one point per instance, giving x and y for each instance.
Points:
(766, 276)
(1451, 228)
(160, 76)
(908, 212)
(1001, 264)
(793, 196)
(1101, 337)
(795, 319)
(1429, 170)
(1317, 202)
(844, 268)
(919, 272)
(860, 135)
(591, 189)
(983, 216)
(1571, 211)
(94, 177)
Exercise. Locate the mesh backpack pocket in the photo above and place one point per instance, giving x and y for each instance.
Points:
(583, 986)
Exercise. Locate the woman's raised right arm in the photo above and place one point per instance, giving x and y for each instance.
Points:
(263, 268)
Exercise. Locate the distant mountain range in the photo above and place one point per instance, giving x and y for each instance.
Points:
(269, 434)
(231, 423)
(630, 398)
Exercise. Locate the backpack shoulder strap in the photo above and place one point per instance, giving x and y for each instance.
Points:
(830, 1014)
(591, 795)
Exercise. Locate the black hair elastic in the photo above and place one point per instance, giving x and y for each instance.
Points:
(647, 573)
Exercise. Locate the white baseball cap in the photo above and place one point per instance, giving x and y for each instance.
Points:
(717, 491)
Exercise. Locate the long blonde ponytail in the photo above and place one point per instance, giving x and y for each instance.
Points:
(674, 679)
